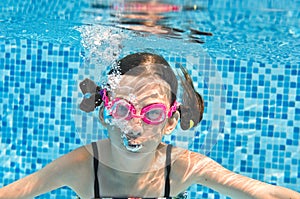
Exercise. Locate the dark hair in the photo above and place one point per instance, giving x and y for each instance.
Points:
(192, 107)
(129, 62)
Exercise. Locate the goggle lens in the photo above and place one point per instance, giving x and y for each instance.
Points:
(121, 109)
(151, 114)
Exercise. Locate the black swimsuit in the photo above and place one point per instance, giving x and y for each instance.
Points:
(168, 169)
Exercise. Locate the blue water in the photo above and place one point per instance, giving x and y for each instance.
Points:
(249, 70)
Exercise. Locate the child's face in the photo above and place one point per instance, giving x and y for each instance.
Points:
(136, 134)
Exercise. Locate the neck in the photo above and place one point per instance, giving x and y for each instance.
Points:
(118, 158)
(130, 161)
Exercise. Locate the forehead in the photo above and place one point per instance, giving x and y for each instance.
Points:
(143, 88)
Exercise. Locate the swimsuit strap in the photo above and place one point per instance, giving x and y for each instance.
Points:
(96, 182)
(168, 169)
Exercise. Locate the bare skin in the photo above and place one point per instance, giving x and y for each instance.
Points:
(140, 174)
(75, 170)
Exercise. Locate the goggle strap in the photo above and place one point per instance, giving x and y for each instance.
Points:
(104, 97)
(173, 109)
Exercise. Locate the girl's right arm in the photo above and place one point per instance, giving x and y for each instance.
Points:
(56, 174)
(32, 185)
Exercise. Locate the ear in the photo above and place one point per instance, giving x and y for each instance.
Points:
(171, 123)
(101, 116)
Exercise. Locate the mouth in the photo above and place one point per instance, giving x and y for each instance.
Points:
(130, 144)
(134, 147)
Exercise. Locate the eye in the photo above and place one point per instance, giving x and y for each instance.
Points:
(156, 114)
(120, 109)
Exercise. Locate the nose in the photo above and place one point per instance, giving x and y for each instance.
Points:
(136, 122)
(136, 127)
(133, 135)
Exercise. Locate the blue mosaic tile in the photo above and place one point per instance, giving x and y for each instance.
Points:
(260, 132)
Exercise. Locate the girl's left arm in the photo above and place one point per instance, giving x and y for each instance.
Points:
(209, 173)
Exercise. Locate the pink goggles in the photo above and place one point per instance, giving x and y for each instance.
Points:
(151, 114)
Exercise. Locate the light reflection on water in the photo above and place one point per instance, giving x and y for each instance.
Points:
(262, 31)
(239, 30)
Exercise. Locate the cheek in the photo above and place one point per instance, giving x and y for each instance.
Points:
(113, 131)
(154, 129)
(163, 125)
(146, 130)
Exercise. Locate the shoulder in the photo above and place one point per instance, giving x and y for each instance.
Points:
(185, 169)
(194, 167)
(184, 157)
(83, 154)
(65, 166)
(198, 168)
(77, 164)
(76, 157)
(77, 169)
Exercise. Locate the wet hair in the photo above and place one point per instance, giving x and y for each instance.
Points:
(191, 108)
(159, 67)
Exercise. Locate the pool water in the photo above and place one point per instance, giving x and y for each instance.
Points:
(242, 56)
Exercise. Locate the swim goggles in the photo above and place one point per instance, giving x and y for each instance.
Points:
(153, 114)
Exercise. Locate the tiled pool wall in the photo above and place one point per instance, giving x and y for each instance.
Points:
(37, 81)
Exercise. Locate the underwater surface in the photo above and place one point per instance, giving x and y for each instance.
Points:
(243, 57)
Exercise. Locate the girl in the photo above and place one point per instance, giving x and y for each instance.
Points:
(138, 111)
